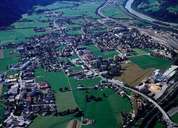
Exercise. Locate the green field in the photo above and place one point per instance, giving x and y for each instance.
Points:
(10, 57)
(159, 125)
(175, 118)
(86, 8)
(2, 109)
(114, 11)
(97, 52)
(65, 100)
(55, 79)
(106, 113)
(50, 122)
(23, 29)
(173, 9)
(77, 8)
(146, 61)
(2, 105)
(74, 32)
(139, 52)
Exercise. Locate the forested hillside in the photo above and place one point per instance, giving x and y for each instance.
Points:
(166, 10)
(11, 10)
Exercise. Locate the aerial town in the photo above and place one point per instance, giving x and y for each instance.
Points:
(100, 63)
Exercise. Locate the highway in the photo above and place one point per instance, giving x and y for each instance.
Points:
(166, 117)
(120, 84)
(128, 7)
(169, 91)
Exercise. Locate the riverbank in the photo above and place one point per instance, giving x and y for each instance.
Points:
(129, 7)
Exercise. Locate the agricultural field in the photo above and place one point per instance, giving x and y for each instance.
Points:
(2, 109)
(50, 122)
(132, 74)
(64, 101)
(147, 61)
(84, 8)
(55, 79)
(114, 11)
(23, 28)
(71, 8)
(175, 118)
(159, 125)
(139, 52)
(74, 31)
(97, 52)
(106, 112)
(10, 57)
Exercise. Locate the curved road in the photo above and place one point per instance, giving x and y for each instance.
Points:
(128, 7)
(173, 111)
(165, 116)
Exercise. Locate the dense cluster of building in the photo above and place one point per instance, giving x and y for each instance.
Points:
(126, 39)
(57, 51)
(26, 98)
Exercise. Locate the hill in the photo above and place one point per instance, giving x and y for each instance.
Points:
(166, 10)
(12, 10)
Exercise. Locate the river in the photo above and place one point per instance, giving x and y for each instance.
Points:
(128, 7)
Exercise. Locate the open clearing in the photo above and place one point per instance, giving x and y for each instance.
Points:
(159, 125)
(55, 79)
(133, 74)
(106, 113)
(146, 62)
(64, 101)
(74, 124)
(50, 122)
(1, 54)
(23, 28)
(10, 57)
(114, 10)
(175, 118)
(97, 52)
